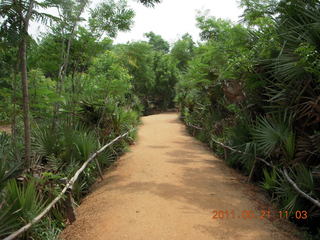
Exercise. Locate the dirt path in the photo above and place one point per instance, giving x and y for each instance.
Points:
(166, 189)
(5, 128)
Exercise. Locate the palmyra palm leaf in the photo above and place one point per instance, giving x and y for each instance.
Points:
(274, 133)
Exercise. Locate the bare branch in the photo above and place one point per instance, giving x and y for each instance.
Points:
(295, 186)
(303, 194)
(69, 185)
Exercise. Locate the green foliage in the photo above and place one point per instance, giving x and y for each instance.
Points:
(138, 59)
(288, 197)
(24, 199)
(270, 179)
(255, 87)
(270, 135)
(157, 42)
(9, 168)
(48, 45)
(77, 144)
(110, 17)
(81, 94)
(257, 12)
(149, 2)
(42, 93)
(183, 51)
(108, 79)
(84, 48)
(47, 230)
(71, 143)
(46, 141)
(23, 202)
(7, 173)
(8, 221)
(166, 75)
(154, 73)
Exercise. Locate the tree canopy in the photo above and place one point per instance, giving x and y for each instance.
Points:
(251, 85)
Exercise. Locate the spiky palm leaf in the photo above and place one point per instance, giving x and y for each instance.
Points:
(8, 168)
(288, 197)
(273, 134)
(297, 26)
(270, 179)
(21, 204)
(8, 222)
(46, 142)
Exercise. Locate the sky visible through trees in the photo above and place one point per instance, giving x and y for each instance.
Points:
(167, 21)
(253, 85)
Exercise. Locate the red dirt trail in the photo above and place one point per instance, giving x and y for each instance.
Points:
(166, 188)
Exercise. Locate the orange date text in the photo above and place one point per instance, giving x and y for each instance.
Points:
(262, 214)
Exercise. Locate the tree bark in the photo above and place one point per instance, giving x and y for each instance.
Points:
(14, 102)
(24, 26)
(25, 95)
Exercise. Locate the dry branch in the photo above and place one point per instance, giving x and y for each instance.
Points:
(303, 194)
(238, 151)
(68, 186)
(295, 186)
(232, 149)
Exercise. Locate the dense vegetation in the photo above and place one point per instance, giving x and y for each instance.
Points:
(79, 91)
(253, 86)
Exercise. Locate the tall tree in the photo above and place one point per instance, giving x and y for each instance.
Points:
(70, 14)
(157, 42)
(71, 19)
(138, 59)
(183, 51)
(110, 17)
(17, 17)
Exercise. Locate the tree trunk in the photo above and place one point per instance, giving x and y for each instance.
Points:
(65, 62)
(14, 112)
(25, 95)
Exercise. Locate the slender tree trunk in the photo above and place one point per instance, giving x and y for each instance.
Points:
(14, 102)
(25, 95)
(73, 95)
(64, 67)
(73, 82)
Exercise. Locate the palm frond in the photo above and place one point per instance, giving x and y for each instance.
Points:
(273, 134)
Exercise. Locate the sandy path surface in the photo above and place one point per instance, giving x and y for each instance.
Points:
(166, 188)
(5, 128)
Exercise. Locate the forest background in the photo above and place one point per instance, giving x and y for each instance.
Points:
(252, 85)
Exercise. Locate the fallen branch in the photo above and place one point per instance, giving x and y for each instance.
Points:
(69, 185)
(295, 186)
(232, 149)
(238, 151)
(196, 127)
(302, 193)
